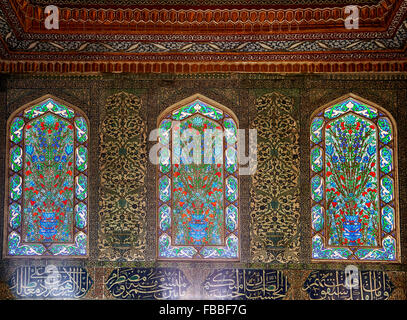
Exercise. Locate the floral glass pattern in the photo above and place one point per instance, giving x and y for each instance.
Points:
(47, 184)
(198, 205)
(354, 183)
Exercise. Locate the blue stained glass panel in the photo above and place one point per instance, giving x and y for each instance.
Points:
(16, 158)
(388, 217)
(316, 130)
(15, 215)
(317, 186)
(231, 189)
(231, 217)
(385, 130)
(317, 159)
(317, 217)
(231, 160)
(386, 159)
(386, 189)
(16, 188)
(165, 188)
(81, 129)
(16, 130)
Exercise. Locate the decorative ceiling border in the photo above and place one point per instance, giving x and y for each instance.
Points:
(125, 21)
(397, 16)
(382, 48)
(396, 43)
(198, 3)
(128, 51)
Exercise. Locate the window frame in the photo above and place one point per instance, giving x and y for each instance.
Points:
(6, 233)
(168, 111)
(396, 230)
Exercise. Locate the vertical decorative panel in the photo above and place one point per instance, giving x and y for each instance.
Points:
(46, 185)
(356, 187)
(274, 222)
(122, 165)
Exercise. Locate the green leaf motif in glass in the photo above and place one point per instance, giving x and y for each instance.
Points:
(16, 130)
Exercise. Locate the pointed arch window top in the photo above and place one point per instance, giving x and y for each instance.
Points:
(47, 181)
(354, 182)
(350, 105)
(49, 105)
(197, 106)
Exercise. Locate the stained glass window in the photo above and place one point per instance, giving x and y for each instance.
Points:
(354, 205)
(198, 201)
(47, 181)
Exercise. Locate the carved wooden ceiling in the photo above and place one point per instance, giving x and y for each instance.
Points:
(187, 36)
(200, 3)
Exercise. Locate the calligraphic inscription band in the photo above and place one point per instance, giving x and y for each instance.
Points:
(40, 282)
(242, 284)
(332, 285)
(147, 283)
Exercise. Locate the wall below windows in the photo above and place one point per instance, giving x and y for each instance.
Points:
(275, 239)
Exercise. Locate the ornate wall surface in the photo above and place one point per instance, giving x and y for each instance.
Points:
(275, 209)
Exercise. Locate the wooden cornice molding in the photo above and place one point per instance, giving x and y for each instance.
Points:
(99, 67)
(222, 21)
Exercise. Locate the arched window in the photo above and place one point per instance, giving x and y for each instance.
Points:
(198, 188)
(47, 180)
(354, 190)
